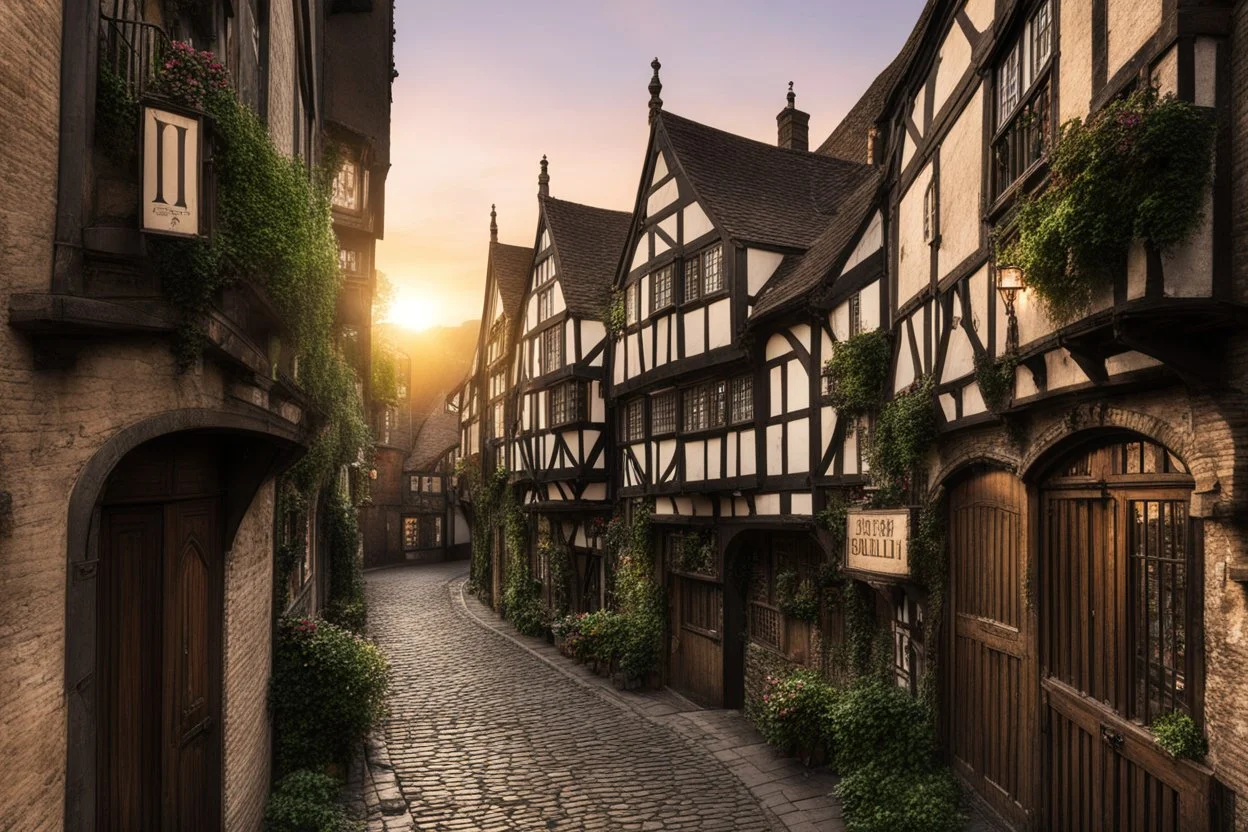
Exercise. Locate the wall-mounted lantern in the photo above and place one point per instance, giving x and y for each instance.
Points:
(1009, 284)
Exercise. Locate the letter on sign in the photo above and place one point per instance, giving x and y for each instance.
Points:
(170, 172)
(879, 542)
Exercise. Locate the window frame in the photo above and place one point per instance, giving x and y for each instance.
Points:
(695, 275)
(668, 273)
(545, 303)
(633, 408)
(1031, 95)
(745, 381)
(551, 334)
(570, 397)
(666, 404)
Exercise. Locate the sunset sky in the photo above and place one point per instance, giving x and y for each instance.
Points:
(486, 88)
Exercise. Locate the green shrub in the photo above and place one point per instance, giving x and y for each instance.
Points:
(877, 722)
(599, 636)
(1177, 733)
(995, 377)
(637, 596)
(305, 801)
(858, 370)
(792, 712)
(876, 798)
(327, 693)
(1136, 170)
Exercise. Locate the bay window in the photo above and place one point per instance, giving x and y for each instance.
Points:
(567, 403)
(704, 406)
(663, 413)
(1023, 100)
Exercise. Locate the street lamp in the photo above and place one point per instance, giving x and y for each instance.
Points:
(1009, 284)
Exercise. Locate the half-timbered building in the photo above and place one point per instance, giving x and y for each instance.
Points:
(559, 456)
(723, 430)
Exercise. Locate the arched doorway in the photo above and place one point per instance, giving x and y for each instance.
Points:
(161, 566)
(1120, 640)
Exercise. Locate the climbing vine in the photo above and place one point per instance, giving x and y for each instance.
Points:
(558, 560)
(858, 370)
(695, 552)
(636, 595)
(904, 430)
(995, 377)
(930, 566)
(522, 601)
(1135, 171)
(614, 316)
(485, 494)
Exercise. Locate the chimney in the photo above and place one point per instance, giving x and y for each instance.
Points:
(794, 125)
(543, 180)
(656, 87)
(493, 224)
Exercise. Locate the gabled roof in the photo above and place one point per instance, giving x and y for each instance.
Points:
(589, 242)
(510, 267)
(796, 275)
(849, 139)
(757, 192)
(438, 434)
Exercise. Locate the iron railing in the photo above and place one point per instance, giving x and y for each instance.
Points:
(131, 47)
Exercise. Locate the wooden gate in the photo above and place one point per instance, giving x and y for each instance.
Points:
(161, 566)
(1119, 641)
(990, 677)
(697, 627)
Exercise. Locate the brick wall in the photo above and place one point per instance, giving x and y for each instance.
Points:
(248, 652)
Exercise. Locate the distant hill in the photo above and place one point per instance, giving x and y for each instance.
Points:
(440, 358)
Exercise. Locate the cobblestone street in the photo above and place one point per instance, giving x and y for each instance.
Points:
(485, 734)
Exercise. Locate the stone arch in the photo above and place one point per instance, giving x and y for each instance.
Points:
(952, 468)
(260, 446)
(1087, 422)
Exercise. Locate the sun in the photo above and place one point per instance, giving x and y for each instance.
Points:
(413, 310)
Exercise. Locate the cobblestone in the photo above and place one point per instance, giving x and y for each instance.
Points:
(484, 734)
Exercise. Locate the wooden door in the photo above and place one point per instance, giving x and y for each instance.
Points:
(990, 678)
(161, 568)
(697, 626)
(130, 647)
(192, 720)
(1116, 608)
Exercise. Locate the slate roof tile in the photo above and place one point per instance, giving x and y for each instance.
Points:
(588, 242)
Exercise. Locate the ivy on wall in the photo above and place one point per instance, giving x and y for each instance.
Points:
(858, 371)
(995, 377)
(614, 316)
(1135, 171)
(904, 430)
(522, 602)
(485, 494)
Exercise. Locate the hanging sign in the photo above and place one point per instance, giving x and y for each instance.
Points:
(171, 172)
(878, 541)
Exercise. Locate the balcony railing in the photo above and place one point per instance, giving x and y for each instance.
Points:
(131, 48)
(1023, 140)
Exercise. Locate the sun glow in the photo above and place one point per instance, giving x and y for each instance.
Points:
(413, 310)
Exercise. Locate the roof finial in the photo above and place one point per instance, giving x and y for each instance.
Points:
(543, 179)
(656, 87)
(792, 97)
(493, 224)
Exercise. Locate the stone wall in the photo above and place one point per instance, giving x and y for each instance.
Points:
(248, 656)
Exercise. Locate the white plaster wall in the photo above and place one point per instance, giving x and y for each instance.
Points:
(1061, 369)
(660, 167)
(696, 223)
(694, 470)
(801, 504)
(1130, 24)
(948, 406)
(870, 306)
(799, 386)
(713, 448)
(641, 253)
(777, 345)
(592, 333)
(972, 400)
(955, 56)
(961, 166)
(869, 243)
(775, 450)
(695, 332)
(776, 391)
(1188, 269)
(1129, 361)
(914, 267)
(748, 460)
(1075, 81)
(759, 267)
(959, 356)
(720, 323)
(981, 13)
(663, 197)
(768, 504)
(799, 446)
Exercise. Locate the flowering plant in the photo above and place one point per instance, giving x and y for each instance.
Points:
(187, 76)
(792, 711)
